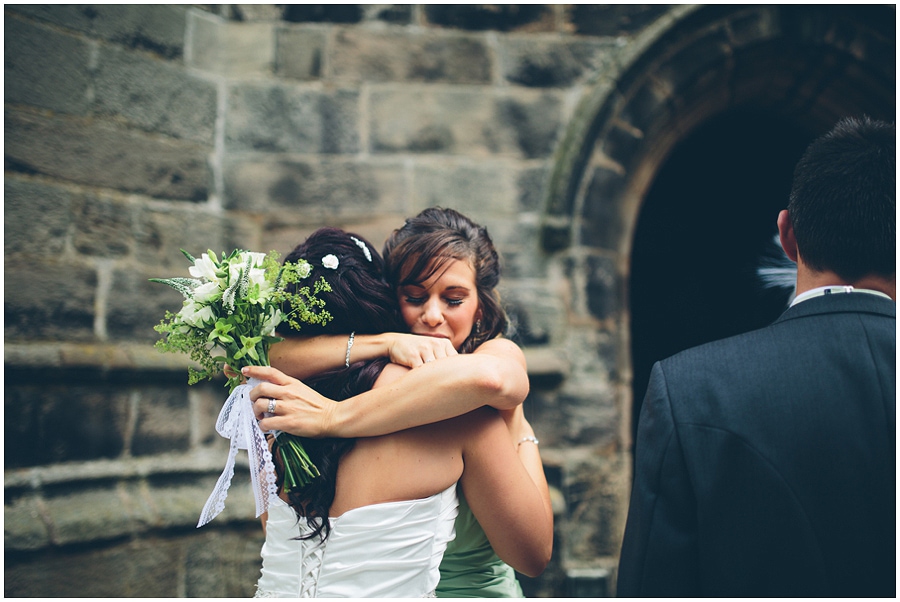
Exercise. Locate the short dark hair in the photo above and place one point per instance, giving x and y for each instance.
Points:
(843, 200)
(442, 234)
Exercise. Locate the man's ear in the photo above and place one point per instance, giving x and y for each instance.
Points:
(786, 234)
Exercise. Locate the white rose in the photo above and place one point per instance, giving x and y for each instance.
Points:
(330, 261)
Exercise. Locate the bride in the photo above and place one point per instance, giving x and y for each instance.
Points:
(378, 521)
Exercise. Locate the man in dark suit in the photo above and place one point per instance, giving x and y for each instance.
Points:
(765, 463)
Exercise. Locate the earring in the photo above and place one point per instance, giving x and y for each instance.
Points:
(477, 326)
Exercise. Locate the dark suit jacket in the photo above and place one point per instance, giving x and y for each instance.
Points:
(765, 463)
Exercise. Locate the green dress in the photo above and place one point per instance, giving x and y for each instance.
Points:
(470, 568)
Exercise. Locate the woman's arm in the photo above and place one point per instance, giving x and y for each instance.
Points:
(302, 357)
(512, 508)
(495, 374)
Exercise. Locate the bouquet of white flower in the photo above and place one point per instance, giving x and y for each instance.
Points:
(231, 310)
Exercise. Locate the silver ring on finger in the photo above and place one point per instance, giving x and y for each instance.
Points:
(271, 406)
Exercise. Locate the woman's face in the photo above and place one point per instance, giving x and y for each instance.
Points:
(445, 305)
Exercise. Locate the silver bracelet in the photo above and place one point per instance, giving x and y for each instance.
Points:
(349, 346)
(524, 439)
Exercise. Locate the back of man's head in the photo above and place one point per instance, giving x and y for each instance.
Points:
(843, 200)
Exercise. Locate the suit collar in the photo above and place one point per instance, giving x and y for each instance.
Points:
(848, 302)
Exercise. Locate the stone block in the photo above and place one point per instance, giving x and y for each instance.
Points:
(155, 96)
(533, 122)
(277, 118)
(473, 122)
(45, 68)
(162, 423)
(23, 526)
(602, 225)
(100, 153)
(603, 288)
(501, 17)
(224, 563)
(48, 300)
(470, 188)
(154, 28)
(613, 19)
(85, 514)
(537, 313)
(315, 191)
(532, 185)
(397, 55)
(232, 49)
(102, 226)
(594, 519)
(300, 52)
(140, 568)
(160, 232)
(51, 423)
(37, 218)
(548, 63)
(135, 305)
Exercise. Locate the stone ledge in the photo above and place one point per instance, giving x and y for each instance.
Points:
(107, 356)
(542, 361)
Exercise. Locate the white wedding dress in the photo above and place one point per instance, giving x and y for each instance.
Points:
(388, 550)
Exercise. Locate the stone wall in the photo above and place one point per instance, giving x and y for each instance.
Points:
(134, 131)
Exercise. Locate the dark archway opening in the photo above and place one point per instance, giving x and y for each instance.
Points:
(704, 226)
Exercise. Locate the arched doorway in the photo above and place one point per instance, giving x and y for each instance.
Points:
(704, 227)
(701, 128)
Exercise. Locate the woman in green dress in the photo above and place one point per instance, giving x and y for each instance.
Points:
(485, 369)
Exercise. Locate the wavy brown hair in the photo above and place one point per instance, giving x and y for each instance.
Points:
(419, 249)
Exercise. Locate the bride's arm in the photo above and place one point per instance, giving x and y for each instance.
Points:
(495, 374)
(302, 357)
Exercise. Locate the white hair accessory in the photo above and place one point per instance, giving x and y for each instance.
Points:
(330, 261)
(362, 246)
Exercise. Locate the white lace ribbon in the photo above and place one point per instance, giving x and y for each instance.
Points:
(238, 424)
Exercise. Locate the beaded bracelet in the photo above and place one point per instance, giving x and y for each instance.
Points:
(349, 346)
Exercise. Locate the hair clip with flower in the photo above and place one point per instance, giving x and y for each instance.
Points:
(330, 261)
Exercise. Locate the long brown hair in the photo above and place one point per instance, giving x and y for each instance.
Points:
(414, 252)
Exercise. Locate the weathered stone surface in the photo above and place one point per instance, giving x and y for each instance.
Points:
(37, 218)
(502, 17)
(49, 300)
(613, 19)
(317, 190)
(45, 68)
(100, 153)
(467, 187)
(463, 121)
(300, 52)
(23, 525)
(154, 28)
(547, 63)
(278, 118)
(142, 568)
(102, 226)
(223, 565)
(154, 95)
(232, 49)
(135, 305)
(47, 424)
(396, 55)
(162, 423)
